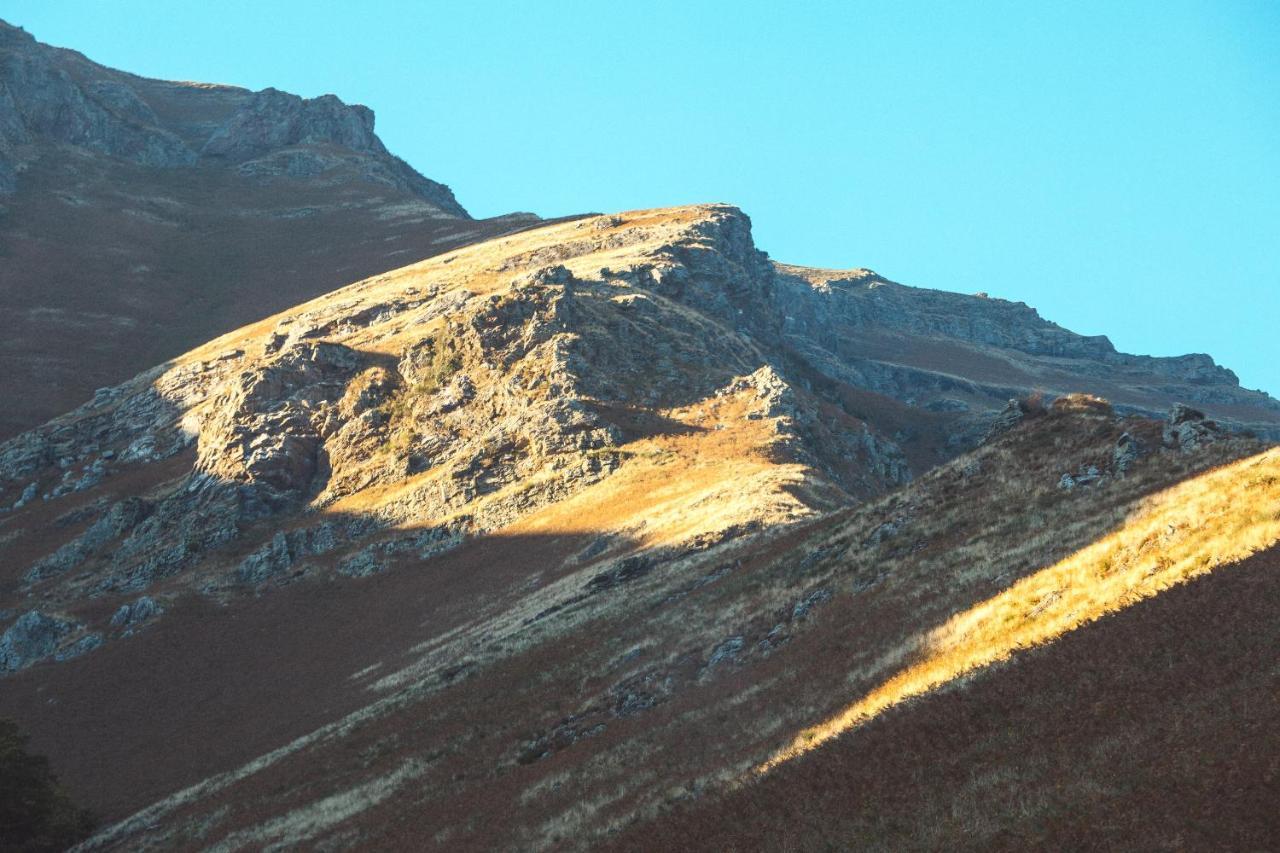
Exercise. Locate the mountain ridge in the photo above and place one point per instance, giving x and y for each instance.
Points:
(140, 218)
(59, 95)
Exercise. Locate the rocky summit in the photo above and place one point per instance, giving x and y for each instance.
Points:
(605, 518)
(140, 218)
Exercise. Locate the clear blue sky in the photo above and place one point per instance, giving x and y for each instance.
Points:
(1116, 165)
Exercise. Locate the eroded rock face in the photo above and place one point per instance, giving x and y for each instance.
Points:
(1188, 429)
(33, 637)
(56, 97)
(132, 615)
(954, 352)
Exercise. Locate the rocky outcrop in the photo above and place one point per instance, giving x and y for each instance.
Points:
(32, 638)
(129, 617)
(953, 352)
(53, 97)
(1008, 418)
(863, 300)
(1188, 429)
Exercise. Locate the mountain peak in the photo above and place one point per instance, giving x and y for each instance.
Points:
(112, 184)
(57, 97)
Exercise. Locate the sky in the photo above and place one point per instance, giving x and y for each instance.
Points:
(1115, 165)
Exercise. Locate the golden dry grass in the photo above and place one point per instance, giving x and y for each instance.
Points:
(1217, 518)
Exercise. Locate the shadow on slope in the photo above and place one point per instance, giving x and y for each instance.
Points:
(686, 680)
(209, 686)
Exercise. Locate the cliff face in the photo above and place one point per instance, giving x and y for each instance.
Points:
(952, 352)
(57, 97)
(140, 218)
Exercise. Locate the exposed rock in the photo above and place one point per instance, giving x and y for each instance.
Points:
(947, 351)
(51, 96)
(805, 605)
(120, 519)
(725, 652)
(1086, 476)
(34, 637)
(268, 561)
(1126, 453)
(1187, 429)
(1009, 417)
(27, 496)
(85, 644)
(133, 614)
(362, 564)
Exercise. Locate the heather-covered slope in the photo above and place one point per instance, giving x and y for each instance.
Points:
(140, 218)
(1154, 729)
(653, 685)
(565, 524)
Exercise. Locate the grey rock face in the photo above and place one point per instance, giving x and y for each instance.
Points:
(48, 103)
(53, 97)
(272, 119)
(725, 652)
(1010, 416)
(1125, 454)
(122, 517)
(27, 496)
(866, 301)
(362, 564)
(948, 351)
(1187, 429)
(85, 644)
(269, 560)
(34, 637)
(133, 614)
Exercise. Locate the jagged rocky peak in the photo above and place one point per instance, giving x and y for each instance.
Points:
(56, 96)
(272, 119)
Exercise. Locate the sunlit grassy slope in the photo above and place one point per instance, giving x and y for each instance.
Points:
(1217, 518)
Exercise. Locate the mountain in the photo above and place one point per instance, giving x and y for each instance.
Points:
(616, 531)
(951, 352)
(140, 218)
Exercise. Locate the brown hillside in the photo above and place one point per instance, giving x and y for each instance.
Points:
(565, 527)
(1154, 729)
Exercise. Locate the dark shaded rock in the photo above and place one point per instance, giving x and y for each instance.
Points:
(1008, 418)
(725, 652)
(87, 643)
(627, 569)
(133, 614)
(268, 561)
(805, 605)
(34, 637)
(1187, 429)
(1126, 453)
(362, 564)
